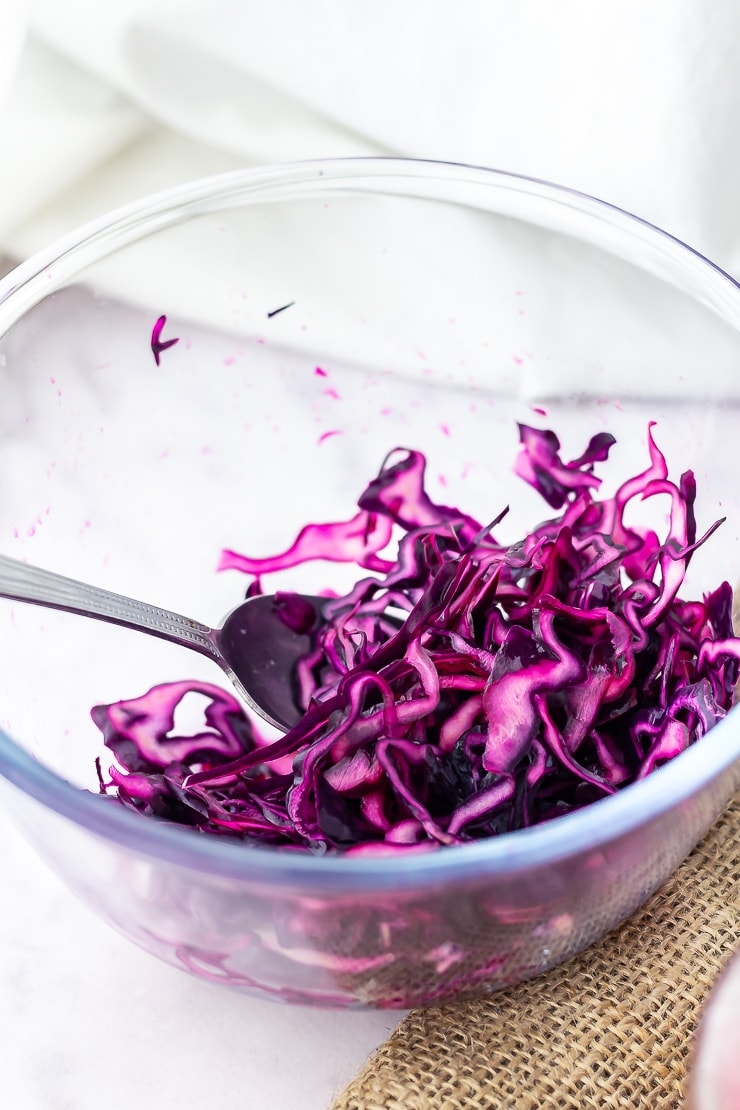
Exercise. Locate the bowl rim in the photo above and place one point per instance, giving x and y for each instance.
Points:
(514, 853)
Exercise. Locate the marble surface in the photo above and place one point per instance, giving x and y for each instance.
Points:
(87, 1021)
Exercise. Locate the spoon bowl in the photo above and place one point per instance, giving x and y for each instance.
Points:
(258, 650)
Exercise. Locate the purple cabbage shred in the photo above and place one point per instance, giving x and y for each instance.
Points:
(524, 681)
(157, 343)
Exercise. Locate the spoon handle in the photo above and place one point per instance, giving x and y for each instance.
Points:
(22, 582)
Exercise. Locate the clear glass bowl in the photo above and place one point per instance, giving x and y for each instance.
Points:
(441, 304)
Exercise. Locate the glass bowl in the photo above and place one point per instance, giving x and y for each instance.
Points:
(430, 305)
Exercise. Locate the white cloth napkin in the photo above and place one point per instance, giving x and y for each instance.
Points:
(635, 103)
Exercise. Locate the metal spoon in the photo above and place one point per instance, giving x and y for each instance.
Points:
(255, 648)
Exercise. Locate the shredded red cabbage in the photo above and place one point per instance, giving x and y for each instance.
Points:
(526, 681)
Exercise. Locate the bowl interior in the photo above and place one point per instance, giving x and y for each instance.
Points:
(428, 307)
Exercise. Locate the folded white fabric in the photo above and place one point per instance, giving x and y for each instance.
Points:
(634, 103)
(14, 20)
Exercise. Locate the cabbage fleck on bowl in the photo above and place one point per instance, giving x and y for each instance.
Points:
(427, 305)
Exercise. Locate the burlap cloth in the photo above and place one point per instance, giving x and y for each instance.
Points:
(613, 1027)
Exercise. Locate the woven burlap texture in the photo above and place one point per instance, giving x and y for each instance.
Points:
(613, 1027)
